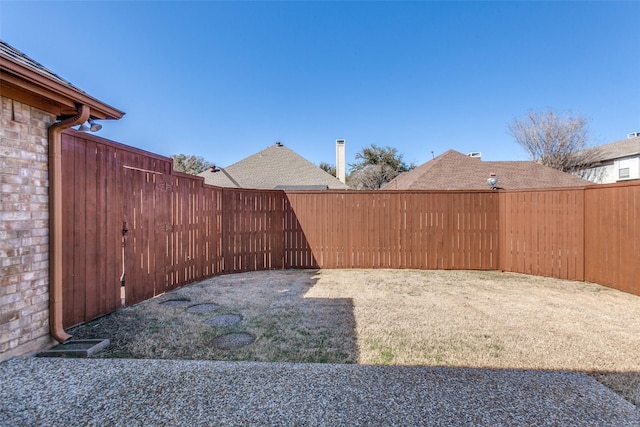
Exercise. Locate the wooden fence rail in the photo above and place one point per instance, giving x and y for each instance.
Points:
(179, 230)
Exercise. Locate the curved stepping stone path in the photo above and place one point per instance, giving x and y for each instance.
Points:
(232, 341)
(203, 308)
(223, 320)
(177, 302)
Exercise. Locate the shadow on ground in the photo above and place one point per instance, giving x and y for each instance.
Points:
(275, 322)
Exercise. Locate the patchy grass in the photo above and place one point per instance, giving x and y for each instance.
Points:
(287, 326)
(394, 317)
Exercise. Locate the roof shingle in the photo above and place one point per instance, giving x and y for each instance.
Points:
(274, 167)
(455, 171)
(12, 52)
(614, 150)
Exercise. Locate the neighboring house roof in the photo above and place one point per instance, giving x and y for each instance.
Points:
(275, 167)
(27, 81)
(455, 171)
(615, 150)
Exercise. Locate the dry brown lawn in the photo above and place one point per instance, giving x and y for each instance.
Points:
(393, 317)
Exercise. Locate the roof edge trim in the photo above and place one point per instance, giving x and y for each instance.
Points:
(35, 81)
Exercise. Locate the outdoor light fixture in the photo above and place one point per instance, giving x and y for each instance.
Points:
(93, 126)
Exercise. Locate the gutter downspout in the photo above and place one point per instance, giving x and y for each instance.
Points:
(55, 221)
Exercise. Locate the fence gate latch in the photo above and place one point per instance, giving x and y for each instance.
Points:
(124, 231)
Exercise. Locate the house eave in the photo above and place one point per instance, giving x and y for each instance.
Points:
(25, 84)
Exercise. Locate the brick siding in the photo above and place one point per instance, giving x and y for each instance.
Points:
(24, 229)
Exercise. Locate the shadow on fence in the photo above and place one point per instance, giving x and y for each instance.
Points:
(179, 230)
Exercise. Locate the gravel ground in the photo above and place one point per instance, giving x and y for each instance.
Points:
(99, 392)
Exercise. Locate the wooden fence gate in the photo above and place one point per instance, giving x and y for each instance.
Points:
(109, 188)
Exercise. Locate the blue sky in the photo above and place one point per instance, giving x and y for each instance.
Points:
(224, 80)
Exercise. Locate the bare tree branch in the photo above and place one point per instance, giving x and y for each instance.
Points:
(557, 141)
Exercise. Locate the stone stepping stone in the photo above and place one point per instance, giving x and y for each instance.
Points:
(203, 308)
(223, 320)
(178, 302)
(232, 341)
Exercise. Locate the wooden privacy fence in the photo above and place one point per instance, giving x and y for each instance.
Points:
(590, 234)
(542, 232)
(392, 229)
(177, 230)
(612, 236)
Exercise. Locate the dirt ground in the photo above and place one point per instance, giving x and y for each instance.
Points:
(391, 317)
